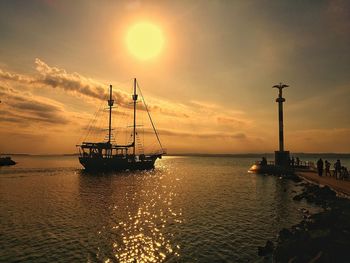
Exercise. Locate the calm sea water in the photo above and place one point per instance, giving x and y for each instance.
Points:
(189, 209)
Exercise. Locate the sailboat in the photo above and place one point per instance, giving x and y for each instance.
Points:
(108, 156)
(6, 160)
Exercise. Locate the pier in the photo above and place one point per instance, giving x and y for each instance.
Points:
(340, 186)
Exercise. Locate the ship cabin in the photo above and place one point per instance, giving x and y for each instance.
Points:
(104, 150)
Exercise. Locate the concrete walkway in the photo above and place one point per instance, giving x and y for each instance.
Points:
(342, 186)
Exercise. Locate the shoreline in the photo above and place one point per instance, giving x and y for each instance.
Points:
(320, 237)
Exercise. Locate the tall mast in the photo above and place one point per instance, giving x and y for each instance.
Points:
(110, 104)
(134, 98)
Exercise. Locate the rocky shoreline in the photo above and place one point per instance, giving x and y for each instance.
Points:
(321, 237)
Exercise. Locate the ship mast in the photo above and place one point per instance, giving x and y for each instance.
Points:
(134, 98)
(110, 104)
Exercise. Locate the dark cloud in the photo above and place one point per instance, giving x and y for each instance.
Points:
(7, 116)
(26, 119)
(35, 106)
(21, 109)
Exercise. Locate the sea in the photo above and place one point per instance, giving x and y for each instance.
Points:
(188, 209)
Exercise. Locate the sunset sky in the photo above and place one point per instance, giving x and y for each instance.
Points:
(207, 75)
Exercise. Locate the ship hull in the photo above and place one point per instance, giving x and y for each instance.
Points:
(6, 161)
(116, 164)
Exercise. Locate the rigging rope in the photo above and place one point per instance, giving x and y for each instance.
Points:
(149, 115)
(91, 124)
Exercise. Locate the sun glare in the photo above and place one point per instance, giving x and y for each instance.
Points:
(144, 40)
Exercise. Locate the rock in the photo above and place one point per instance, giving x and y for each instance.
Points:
(319, 233)
(298, 197)
(305, 211)
(321, 237)
(296, 179)
(284, 234)
(266, 250)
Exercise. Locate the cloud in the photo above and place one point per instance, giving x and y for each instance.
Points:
(230, 121)
(22, 109)
(170, 109)
(73, 82)
(15, 77)
(7, 116)
(203, 105)
(209, 135)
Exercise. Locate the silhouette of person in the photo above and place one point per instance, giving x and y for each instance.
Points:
(337, 169)
(263, 161)
(320, 167)
(345, 173)
(298, 161)
(327, 166)
(292, 161)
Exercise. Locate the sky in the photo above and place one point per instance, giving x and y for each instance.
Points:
(209, 87)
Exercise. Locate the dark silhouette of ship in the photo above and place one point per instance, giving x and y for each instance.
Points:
(6, 161)
(106, 156)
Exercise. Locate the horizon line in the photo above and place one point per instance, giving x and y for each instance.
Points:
(188, 154)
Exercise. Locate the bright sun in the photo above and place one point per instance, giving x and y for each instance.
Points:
(144, 40)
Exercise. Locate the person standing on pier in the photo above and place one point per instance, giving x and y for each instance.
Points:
(263, 162)
(327, 166)
(337, 169)
(320, 167)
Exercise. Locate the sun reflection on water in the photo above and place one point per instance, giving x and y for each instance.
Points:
(141, 235)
